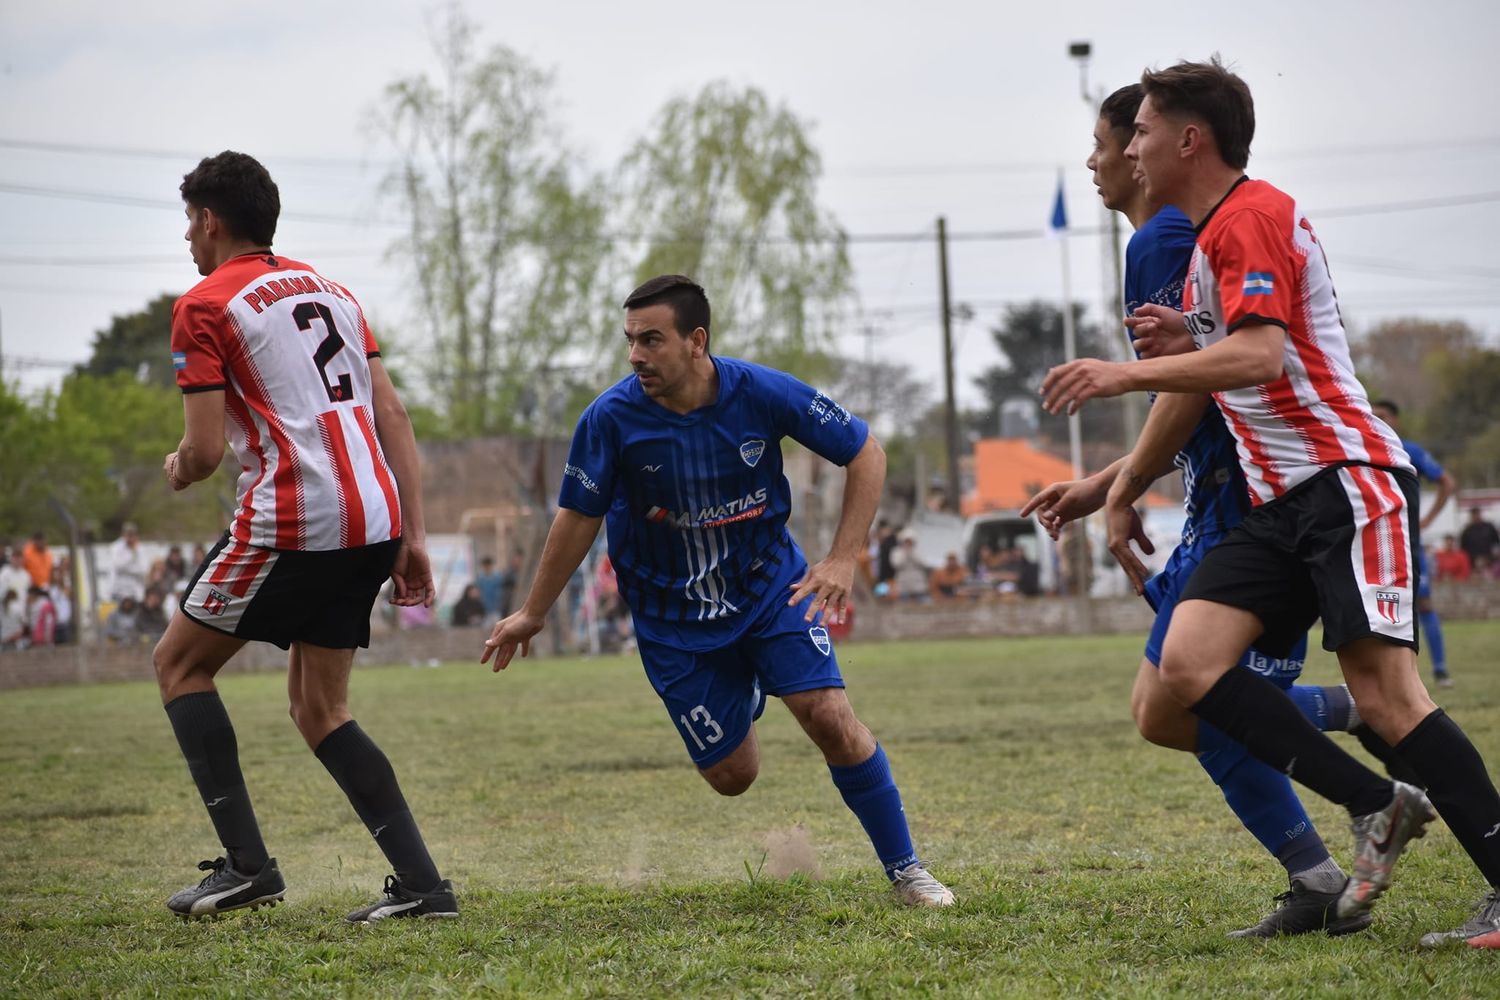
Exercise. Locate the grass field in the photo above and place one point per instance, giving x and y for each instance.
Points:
(592, 861)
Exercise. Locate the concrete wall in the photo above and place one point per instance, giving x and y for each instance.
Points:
(1037, 616)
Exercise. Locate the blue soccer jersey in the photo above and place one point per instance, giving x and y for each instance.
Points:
(1421, 459)
(696, 504)
(1156, 264)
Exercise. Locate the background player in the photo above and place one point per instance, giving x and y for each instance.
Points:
(1333, 528)
(682, 460)
(1428, 468)
(329, 506)
(1156, 262)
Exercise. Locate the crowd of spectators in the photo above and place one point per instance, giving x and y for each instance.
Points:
(895, 570)
(36, 595)
(1474, 554)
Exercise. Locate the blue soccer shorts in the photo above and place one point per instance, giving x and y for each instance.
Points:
(1164, 590)
(713, 696)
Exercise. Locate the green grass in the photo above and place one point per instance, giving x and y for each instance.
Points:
(592, 861)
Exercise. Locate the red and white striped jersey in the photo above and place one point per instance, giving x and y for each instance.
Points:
(290, 350)
(1257, 261)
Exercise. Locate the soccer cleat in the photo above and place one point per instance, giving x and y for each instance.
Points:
(1379, 838)
(1443, 680)
(1482, 930)
(224, 888)
(399, 901)
(915, 886)
(1300, 910)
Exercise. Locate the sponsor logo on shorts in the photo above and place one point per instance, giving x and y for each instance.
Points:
(1388, 604)
(216, 603)
(751, 451)
(819, 636)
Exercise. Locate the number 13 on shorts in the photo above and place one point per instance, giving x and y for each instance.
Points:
(713, 733)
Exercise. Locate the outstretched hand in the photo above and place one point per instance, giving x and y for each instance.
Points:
(1067, 501)
(1070, 385)
(412, 575)
(829, 584)
(509, 634)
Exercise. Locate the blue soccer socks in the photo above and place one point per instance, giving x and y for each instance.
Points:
(871, 794)
(1432, 631)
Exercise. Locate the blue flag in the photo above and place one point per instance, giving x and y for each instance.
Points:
(1059, 211)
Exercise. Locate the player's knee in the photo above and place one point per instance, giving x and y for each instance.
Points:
(730, 781)
(831, 725)
(171, 669)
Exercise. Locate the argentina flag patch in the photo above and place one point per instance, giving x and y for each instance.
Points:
(1259, 283)
(179, 360)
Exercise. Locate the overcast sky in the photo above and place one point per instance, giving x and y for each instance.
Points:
(959, 109)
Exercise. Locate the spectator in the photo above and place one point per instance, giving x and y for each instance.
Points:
(910, 579)
(175, 571)
(885, 548)
(36, 559)
(489, 582)
(509, 581)
(61, 593)
(1479, 539)
(120, 627)
(948, 579)
(200, 555)
(13, 575)
(1451, 562)
(41, 617)
(469, 609)
(12, 623)
(151, 616)
(128, 566)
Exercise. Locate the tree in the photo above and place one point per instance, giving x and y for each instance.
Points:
(505, 232)
(1030, 337)
(138, 343)
(724, 188)
(1460, 425)
(1403, 359)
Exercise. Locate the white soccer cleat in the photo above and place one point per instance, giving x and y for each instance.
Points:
(915, 886)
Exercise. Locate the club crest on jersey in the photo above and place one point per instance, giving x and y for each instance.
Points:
(216, 603)
(819, 636)
(751, 451)
(1388, 604)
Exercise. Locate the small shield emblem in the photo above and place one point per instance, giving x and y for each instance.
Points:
(1388, 603)
(751, 451)
(819, 636)
(216, 603)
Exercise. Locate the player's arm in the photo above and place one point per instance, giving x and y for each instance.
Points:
(571, 536)
(202, 445)
(412, 571)
(830, 581)
(1446, 487)
(1168, 427)
(1252, 355)
(1071, 499)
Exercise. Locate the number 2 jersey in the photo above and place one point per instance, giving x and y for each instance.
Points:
(696, 504)
(290, 351)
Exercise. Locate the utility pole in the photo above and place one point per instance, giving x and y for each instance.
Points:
(950, 407)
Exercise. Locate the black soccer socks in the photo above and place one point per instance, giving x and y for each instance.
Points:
(1458, 785)
(366, 776)
(1251, 709)
(207, 740)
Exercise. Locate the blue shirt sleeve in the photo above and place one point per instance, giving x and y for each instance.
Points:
(589, 477)
(1427, 467)
(814, 421)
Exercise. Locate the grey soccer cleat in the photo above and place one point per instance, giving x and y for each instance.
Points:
(915, 886)
(1379, 838)
(399, 901)
(1301, 910)
(1482, 930)
(224, 888)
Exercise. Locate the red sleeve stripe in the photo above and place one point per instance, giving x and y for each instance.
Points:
(1383, 536)
(382, 470)
(351, 508)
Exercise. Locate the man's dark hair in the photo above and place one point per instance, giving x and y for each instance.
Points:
(1388, 405)
(237, 189)
(687, 298)
(1120, 107)
(1213, 95)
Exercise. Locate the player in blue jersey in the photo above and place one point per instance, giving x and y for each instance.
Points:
(1427, 468)
(681, 461)
(1216, 499)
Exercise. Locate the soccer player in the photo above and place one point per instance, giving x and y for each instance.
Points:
(682, 461)
(329, 506)
(1430, 469)
(1332, 530)
(1156, 262)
